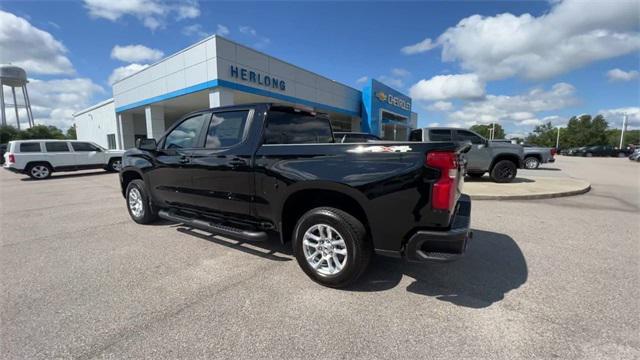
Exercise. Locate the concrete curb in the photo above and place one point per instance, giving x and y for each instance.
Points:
(580, 187)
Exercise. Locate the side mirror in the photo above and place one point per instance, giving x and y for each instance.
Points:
(146, 144)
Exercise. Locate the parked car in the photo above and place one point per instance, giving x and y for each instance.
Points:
(246, 171)
(600, 150)
(3, 149)
(535, 155)
(355, 137)
(635, 155)
(501, 159)
(40, 158)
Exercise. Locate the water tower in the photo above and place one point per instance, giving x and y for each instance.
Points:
(14, 77)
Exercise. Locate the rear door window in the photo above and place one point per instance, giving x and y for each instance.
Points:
(29, 147)
(415, 135)
(464, 135)
(58, 146)
(439, 135)
(84, 146)
(226, 129)
(296, 127)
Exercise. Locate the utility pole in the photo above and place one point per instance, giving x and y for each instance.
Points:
(558, 139)
(493, 131)
(624, 126)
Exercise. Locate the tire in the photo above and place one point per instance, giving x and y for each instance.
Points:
(115, 164)
(348, 235)
(39, 171)
(531, 162)
(504, 171)
(475, 175)
(621, 155)
(140, 211)
(588, 154)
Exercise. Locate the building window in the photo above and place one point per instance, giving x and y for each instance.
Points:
(111, 141)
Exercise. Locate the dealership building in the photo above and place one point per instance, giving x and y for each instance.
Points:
(218, 72)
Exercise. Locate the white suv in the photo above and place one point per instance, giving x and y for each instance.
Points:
(39, 158)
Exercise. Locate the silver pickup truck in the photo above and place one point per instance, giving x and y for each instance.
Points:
(500, 159)
(535, 155)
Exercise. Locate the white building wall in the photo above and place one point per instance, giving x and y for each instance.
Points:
(95, 123)
(195, 67)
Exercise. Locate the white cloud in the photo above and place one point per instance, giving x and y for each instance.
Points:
(444, 87)
(518, 109)
(615, 116)
(222, 30)
(362, 80)
(391, 81)
(152, 13)
(135, 53)
(257, 40)
(440, 106)
(198, 30)
(53, 102)
(399, 72)
(530, 122)
(423, 46)
(621, 75)
(35, 50)
(572, 34)
(122, 72)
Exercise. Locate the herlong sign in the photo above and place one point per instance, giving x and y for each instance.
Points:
(251, 76)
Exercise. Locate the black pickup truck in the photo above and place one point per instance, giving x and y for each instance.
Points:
(250, 171)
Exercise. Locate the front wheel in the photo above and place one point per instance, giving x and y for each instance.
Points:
(531, 162)
(138, 204)
(331, 246)
(504, 171)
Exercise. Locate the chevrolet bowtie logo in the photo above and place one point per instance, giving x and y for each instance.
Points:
(382, 96)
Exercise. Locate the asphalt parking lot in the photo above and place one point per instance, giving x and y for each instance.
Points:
(542, 278)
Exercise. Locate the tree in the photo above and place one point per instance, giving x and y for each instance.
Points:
(71, 133)
(544, 135)
(41, 132)
(584, 131)
(8, 133)
(631, 137)
(485, 130)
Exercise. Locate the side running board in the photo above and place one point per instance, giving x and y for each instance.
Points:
(214, 228)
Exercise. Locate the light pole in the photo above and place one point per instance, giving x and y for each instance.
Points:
(624, 125)
(558, 139)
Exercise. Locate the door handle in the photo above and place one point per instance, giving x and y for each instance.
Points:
(235, 162)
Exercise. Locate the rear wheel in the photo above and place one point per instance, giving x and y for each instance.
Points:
(138, 203)
(504, 171)
(331, 246)
(39, 171)
(531, 162)
(114, 165)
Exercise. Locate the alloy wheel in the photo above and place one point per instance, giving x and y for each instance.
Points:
(135, 203)
(40, 171)
(325, 249)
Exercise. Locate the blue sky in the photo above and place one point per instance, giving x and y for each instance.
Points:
(517, 63)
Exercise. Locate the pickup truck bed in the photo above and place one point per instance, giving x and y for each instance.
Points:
(398, 199)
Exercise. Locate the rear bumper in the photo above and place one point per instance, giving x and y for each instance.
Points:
(447, 245)
(13, 170)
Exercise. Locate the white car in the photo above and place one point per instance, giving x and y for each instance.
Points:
(40, 158)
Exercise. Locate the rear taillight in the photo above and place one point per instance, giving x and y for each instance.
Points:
(444, 190)
(553, 151)
(12, 159)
